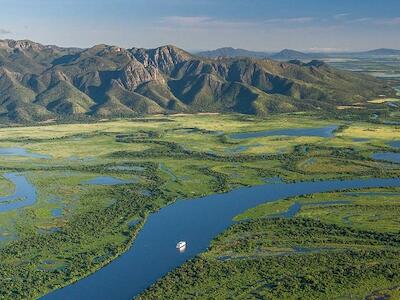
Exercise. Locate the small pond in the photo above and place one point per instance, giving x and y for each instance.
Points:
(21, 152)
(24, 195)
(317, 132)
(395, 144)
(108, 180)
(387, 156)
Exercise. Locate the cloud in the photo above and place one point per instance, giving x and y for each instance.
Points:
(298, 20)
(186, 21)
(202, 22)
(4, 31)
(341, 16)
(376, 21)
(361, 20)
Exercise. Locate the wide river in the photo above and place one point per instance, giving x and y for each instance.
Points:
(197, 221)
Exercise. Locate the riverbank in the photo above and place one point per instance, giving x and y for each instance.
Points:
(156, 162)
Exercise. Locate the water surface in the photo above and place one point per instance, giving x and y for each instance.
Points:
(387, 156)
(318, 132)
(21, 152)
(361, 140)
(196, 221)
(56, 212)
(24, 195)
(395, 144)
(108, 180)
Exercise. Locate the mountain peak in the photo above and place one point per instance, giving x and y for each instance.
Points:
(164, 57)
(21, 45)
(232, 52)
(112, 81)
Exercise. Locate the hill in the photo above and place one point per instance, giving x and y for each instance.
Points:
(288, 54)
(232, 52)
(40, 82)
(382, 52)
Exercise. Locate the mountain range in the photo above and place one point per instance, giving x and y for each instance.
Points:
(39, 83)
(289, 54)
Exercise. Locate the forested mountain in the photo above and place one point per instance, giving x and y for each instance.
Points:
(40, 82)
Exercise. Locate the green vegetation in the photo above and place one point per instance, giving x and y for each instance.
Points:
(48, 83)
(181, 156)
(328, 250)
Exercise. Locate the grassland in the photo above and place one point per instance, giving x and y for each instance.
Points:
(170, 157)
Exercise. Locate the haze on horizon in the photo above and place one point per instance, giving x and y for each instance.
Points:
(266, 25)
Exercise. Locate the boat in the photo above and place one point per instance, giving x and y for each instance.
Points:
(181, 245)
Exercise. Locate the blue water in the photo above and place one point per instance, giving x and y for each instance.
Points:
(360, 140)
(319, 132)
(391, 122)
(21, 152)
(127, 168)
(56, 212)
(24, 195)
(387, 156)
(107, 180)
(395, 144)
(196, 221)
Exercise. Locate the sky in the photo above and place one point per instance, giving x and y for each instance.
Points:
(264, 25)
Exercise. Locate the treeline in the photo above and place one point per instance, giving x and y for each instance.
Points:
(361, 263)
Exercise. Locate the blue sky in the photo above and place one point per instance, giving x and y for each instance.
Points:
(314, 25)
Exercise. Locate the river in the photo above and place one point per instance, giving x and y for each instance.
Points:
(196, 221)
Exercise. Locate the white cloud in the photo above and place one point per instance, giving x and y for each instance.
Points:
(4, 31)
(297, 20)
(186, 21)
(341, 16)
(202, 22)
(376, 21)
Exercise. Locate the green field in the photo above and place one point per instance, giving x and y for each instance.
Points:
(175, 157)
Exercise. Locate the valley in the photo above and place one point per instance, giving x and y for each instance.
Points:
(97, 183)
(42, 83)
(175, 150)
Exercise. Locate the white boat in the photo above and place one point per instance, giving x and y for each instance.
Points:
(181, 245)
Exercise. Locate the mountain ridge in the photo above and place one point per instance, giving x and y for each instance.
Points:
(291, 54)
(40, 82)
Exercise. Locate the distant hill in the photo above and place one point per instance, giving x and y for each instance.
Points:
(288, 54)
(40, 82)
(382, 52)
(232, 52)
